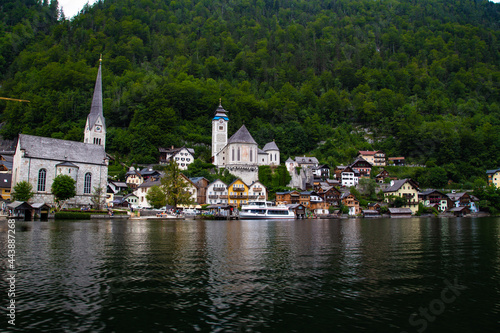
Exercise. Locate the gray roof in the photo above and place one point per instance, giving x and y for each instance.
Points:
(289, 160)
(306, 160)
(260, 151)
(150, 183)
(490, 172)
(398, 183)
(270, 146)
(96, 108)
(61, 150)
(242, 136)
(68, 164)
(400, 211)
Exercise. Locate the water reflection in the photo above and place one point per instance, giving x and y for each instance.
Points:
(312, 275)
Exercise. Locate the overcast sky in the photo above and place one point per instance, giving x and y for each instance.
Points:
(72, 7)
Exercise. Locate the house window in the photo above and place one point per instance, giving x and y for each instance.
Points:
(42, 175)
(239, 155)
(251, 155)
(87, 183)
(233, 154)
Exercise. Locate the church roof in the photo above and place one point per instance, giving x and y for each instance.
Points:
(271, 146)
(220, 112)
(242, 136)
(96, 108)
(61, 150)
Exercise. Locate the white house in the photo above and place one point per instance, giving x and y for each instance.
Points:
(257, 192)
(182, 156)
(217, 193)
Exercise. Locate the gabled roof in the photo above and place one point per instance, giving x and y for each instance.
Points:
(174, 151)
(397, 184)
(270, 146)
(150, 183)
(236, 181)
(306, 160)
(360, 160)
(492, 172)
(261, 152)
(368, 152)
(242, 136)
(426, 193)
(289, 160)
(61, 150)
(67, 164)
(96, 108)
(217, 181)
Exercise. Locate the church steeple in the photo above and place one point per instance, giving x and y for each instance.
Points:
(95, 128)
(219, 133)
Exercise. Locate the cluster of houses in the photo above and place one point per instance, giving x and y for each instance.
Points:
(201, 190)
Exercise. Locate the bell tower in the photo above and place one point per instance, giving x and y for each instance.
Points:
(219, 132)
(95, 128)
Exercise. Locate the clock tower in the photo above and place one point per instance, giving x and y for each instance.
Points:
(95, 128)
(219, 133)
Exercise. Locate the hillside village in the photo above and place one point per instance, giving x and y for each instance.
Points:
(319, 190)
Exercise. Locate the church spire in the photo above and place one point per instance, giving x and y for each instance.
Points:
(95, 128)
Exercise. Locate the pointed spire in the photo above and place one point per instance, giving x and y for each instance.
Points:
(96, 109)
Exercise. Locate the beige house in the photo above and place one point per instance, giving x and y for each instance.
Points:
(405, 188)
(374, 157)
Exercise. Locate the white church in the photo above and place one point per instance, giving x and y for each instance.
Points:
(240, 155)
(39, 160)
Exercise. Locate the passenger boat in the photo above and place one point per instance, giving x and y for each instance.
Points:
(265, 210)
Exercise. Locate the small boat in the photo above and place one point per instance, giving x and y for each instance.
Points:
(265, 210)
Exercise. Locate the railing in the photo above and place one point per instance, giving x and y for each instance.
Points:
(213, 197)
(219, 189)
(238, 189)
(257, 189)
(238, 196)
(262, 196)
(250, 197)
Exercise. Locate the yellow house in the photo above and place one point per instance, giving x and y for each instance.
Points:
(5, 184)
(238, 193)
(493, 177)
(405, 188)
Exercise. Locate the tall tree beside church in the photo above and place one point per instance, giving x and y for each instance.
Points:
(175, 186)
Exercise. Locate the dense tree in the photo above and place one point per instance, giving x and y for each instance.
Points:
(156, 196)
(63, 188)
(22, 191)
(175, 187)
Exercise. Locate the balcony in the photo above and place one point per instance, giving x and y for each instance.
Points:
(213, 197)
(257, 189)
(238, 196)
(223, 196)
(238, 189)
(252, 197)
(263, 197)
(219, 189)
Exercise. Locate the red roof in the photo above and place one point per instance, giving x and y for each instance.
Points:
(367, 152)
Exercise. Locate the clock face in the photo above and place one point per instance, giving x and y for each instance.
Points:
(221, 120)
(98, 128)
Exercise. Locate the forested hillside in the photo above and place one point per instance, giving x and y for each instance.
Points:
(420, 79)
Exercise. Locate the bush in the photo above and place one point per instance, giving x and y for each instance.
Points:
(72, 216)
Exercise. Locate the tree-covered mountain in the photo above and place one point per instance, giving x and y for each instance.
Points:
(419, 79)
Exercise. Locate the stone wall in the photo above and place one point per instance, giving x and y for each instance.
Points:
(27, 169)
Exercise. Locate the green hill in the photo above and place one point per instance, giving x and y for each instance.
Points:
(419, 79)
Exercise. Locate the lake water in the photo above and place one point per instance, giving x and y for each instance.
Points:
(374, 275)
